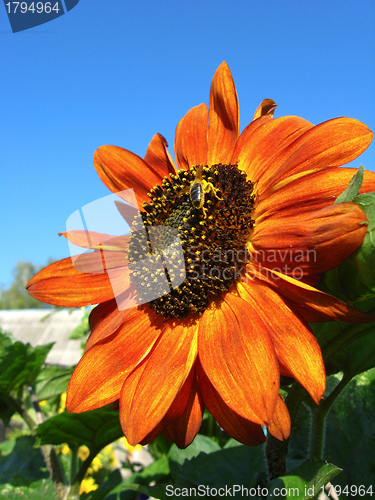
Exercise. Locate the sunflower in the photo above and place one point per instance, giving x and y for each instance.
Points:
(255, 224)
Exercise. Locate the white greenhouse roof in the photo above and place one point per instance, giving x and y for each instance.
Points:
(42, 326)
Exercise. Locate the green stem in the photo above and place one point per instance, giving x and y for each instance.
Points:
(277, 451)
(317, 432)
(49, 454)
(81, 473)
(294, 399)
(55, 470)
(319, 414)
(73, 464)
(21, 411)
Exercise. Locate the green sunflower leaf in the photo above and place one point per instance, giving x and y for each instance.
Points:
(137, 482)
(95, 429)
(52, 381)
(354, 355)
(215, 467)
(305, 482)
(82, 329)
(350, 432)
(20, 463)
(39, 490)
(20, 363)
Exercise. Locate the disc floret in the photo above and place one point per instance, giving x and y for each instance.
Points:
(211, 223)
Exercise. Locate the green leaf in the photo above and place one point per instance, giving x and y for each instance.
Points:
(95, 429)
(155, 472)
(20, 363)
(355, 356)
(52, 381)
(79, 331)
(209, 465)
(39, 490)
(139, 481)
(353, 189)
(305, 482)
(226, 467)
(159, 447)
(350, 432)
(20, 463)
(201, 444)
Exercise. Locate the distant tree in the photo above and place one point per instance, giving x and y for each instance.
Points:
(16, 296)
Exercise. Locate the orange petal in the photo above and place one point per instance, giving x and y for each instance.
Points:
(127, 212)
(120, 169)
(309, 243)
(247, 376)
(153, 434)
(149, 391)
(97, 241)
(62, 285)
(158, 157)
(99, 376)
(224, 117)
(104, 320)
(313, 304)
(330, 144)
(263, 143)
(177, 408)
(280, 425)
(183, 430)
(239, 428)
(191, 138)
(266, 108)
(311, 191)
(296, 347)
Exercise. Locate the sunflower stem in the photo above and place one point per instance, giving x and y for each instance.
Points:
(82, 471)
(73, 464)
(319, 415)
(317, 432)
(277, 451)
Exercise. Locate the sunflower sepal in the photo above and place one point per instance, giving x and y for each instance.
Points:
(353, 189)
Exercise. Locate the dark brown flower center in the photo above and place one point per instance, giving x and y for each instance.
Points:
(189, 243)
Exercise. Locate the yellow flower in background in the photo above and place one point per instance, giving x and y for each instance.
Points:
(128, 447)
(83, 453)
(62, 406)
(64, 449)
(88, 484)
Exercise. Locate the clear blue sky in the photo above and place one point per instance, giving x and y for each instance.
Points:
(116, 72)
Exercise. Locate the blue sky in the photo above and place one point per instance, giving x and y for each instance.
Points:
(116, 72)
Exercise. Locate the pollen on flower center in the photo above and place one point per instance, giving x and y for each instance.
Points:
(203, 218)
